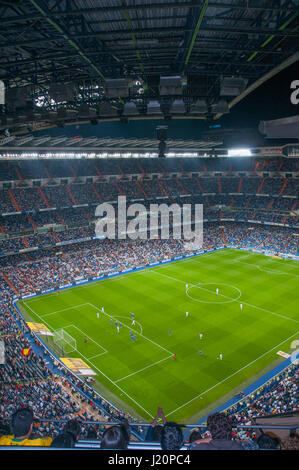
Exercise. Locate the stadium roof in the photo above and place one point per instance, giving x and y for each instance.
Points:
(63, 55)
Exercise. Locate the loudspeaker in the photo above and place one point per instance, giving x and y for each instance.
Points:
(162, 133)
(162, 148)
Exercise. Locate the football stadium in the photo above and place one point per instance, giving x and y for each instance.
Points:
(149, 168)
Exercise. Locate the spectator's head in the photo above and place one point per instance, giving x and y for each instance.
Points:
(73, 427)
(171, 436)
(195, 435)
(22, 423)
(219, 426)
(293, 433)
(290, 443)
(114, 437)
(156, 437)
(63, 441)
(91, 434)
(4, 429)
(267, 441)
(125, 427)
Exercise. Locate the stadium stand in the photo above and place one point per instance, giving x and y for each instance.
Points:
(158, 103)
(46, 240)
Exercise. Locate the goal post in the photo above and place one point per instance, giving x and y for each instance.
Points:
(65, 341)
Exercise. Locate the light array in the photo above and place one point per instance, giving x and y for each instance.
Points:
(245, 152)
(78, 155)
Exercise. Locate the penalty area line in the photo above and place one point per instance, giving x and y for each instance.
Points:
(102, 373)
(140, 334)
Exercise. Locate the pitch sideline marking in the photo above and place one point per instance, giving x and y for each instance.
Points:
(59, 311)
(106, 376)
(264, 269)
(231, 375)
(88, 359)
(202, 392)
(118, 277)
(82, 286)
(110, 316)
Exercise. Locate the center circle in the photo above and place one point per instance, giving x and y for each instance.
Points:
(223, 298)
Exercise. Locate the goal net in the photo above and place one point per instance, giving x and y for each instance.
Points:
(65, 341)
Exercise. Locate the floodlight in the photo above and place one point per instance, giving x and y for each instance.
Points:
(178, 107)
(199, 107)
(154, 108)
(244, 152)
(170, 85)
(130, 109)
(117, 87)
(232, 86)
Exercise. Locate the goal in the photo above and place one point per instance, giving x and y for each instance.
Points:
(65, 341)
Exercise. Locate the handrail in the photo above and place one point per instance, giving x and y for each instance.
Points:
(191, 426)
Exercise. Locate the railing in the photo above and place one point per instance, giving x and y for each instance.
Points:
(153, 445)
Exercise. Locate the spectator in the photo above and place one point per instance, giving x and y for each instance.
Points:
(91, 434)
(195, 435)
(171, 436)
(154, 431)
(22, 425)
(290, 443)
(115, 437)
(63, 441)
(220, 428)
(73, 428)
(125, 428)
(4, 429)
(268, 441)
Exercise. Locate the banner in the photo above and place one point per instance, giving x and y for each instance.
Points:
(26, 351)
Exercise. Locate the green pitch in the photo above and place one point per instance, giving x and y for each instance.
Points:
(144, 374)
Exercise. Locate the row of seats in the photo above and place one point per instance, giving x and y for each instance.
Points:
(27, 169)
(34, 198)
(39, 270)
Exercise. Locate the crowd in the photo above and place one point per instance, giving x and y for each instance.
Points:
(38, 397)
(278, 396)
(219, 435)
(32, 198)
(82, 257)
(30, 378)
(27, 210)
(86, 260)
(117, 166)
